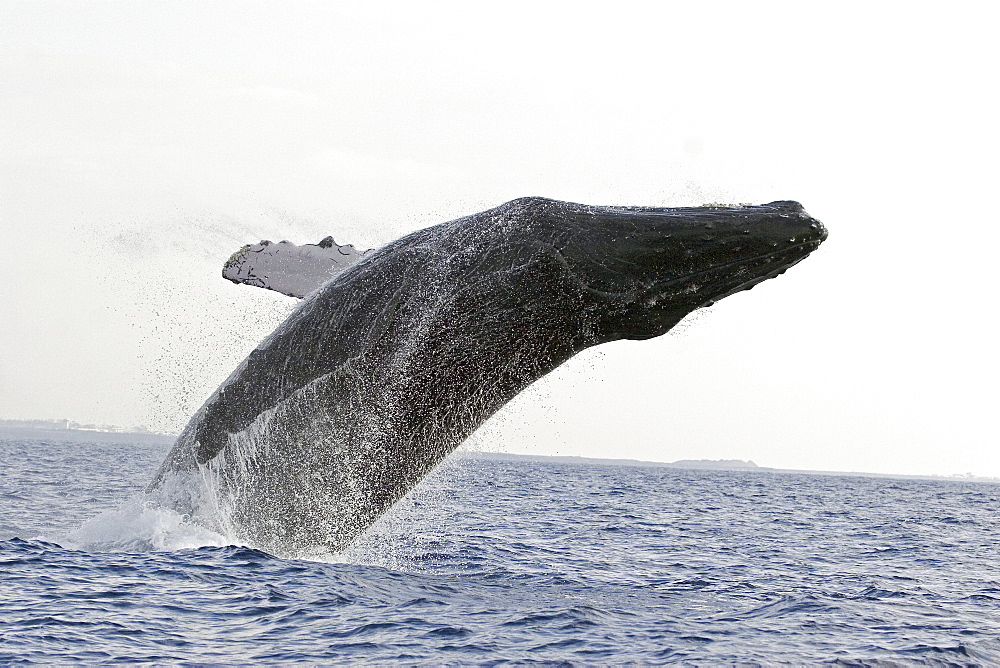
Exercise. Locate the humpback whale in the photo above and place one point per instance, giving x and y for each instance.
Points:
(401, 353)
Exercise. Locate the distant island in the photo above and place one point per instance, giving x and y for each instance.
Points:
(718, 464)
(709, 464)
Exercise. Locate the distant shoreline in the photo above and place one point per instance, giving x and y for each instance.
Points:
(71, 425)
(731, 465)
(86, 435)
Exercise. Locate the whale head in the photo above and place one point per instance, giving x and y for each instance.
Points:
(645, 269)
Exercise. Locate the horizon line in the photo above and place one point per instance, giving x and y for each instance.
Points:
(691, 464)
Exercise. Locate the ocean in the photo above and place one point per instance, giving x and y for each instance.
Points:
(494, 561)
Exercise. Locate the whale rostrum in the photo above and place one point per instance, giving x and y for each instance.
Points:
(396, 355)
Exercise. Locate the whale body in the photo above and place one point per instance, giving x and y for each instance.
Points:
(387, 367)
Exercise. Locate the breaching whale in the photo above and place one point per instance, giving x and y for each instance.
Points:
(390, 364)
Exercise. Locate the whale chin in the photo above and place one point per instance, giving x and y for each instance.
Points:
(396, 355)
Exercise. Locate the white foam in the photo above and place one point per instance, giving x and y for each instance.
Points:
(141, 526)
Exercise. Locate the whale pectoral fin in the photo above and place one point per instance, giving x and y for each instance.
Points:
(289, 269)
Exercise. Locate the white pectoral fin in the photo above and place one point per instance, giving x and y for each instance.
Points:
(289, 269)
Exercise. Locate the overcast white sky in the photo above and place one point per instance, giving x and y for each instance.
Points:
(144, 142)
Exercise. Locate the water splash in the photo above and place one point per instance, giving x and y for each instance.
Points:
(152, 523)
(140, 526)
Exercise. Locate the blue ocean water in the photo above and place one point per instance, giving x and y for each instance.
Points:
(494, 561)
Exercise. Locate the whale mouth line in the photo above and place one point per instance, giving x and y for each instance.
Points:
(755, 281)
(669, 288)
(748, 261)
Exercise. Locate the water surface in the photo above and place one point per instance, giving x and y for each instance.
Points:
(505, 561)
